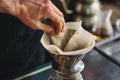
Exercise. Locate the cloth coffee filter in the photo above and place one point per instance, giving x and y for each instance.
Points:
(73, 40)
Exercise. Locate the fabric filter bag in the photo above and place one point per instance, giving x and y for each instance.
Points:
(73, 40)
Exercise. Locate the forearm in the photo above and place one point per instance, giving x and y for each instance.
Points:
(6, 6)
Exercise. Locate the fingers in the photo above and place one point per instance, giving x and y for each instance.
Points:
(57, 21)
(33, 14)
(52, 13)
(60, 14)
(46, 28)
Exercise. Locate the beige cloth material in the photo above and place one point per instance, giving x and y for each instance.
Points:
(74, 40)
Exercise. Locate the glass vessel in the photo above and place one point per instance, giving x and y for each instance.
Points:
(103, 28)
(118, 25)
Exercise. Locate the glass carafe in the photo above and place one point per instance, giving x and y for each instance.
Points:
(103, 28)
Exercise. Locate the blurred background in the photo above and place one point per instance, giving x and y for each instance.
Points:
(98, 16)
(78, 8)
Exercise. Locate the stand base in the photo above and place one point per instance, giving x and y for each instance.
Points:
(58, 77)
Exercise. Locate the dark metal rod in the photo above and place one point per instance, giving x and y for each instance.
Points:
(108, 57)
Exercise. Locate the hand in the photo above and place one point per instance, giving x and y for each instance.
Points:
(32, 12)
